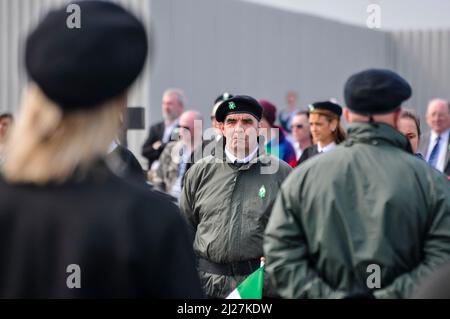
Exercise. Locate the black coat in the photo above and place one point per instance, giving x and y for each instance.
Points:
(308, 153)
(156, 134)
(127, 240)
(125, 164)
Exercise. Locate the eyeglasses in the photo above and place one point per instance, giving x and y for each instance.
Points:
(299, 126)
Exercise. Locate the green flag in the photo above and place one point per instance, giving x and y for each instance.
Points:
(251, 287)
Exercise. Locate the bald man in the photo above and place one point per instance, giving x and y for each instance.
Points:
(177, 156)
(436, 144)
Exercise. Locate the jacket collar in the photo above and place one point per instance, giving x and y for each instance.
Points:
(261, 157)
(376, 132)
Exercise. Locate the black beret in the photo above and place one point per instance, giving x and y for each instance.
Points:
(326, 105)
(376, 91)
(239, 104)
(81, 68)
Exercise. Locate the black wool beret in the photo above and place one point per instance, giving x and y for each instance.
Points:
(79, 68)
(326, 105)
(239, 104)
(376, 91)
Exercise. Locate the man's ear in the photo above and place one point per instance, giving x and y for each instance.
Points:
(346, 115)
(397, 117)
(221, 127)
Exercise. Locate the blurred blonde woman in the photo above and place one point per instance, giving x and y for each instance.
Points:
(66, 220)
(325, 127)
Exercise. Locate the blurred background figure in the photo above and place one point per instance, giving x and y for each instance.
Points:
(301, 134)
(326, 129)
(173, 103)
(409, 125)
(6, 122)
(436, 144)
(275, 137)
(178, 156)
(286, 114)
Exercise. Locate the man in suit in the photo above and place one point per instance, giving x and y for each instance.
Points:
(160, 133)
(436, 144)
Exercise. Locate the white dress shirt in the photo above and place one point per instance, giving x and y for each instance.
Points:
(327, 148)
(234, 159)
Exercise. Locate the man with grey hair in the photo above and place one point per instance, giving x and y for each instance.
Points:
(436, 144)
(173, 103)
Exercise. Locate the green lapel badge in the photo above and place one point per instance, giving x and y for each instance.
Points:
(262, 192)
(231, 105)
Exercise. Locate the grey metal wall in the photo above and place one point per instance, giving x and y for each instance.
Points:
(209, 46)
(206, 47)
(423, 57)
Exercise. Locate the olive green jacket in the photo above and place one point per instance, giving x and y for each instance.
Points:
(229, 207)
(368, 203)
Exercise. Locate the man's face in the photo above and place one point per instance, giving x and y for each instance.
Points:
(171, 107)
(241, 132)
(187, 129)
(300, 127)
(438, 116)
(5, 124)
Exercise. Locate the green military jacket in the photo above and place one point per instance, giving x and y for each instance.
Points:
(369, 202)
(229, 207)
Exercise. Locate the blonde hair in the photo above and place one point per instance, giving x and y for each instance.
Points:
(47, 144)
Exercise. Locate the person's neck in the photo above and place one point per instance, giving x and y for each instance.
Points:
(441, 132)
(168, 123)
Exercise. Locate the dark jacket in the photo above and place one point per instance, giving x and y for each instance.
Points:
(308, 153)
(126, 239)
(156, 134)
(228, 208)
(125, 164)
(369, 202)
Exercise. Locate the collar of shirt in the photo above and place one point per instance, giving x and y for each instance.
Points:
(443, 136)
(327, 148)
(234, 159)
(112, 147)
(168, 131)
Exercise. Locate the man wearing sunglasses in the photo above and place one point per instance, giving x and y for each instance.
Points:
(300, 132)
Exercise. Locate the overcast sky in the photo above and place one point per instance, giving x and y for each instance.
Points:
(395, 14)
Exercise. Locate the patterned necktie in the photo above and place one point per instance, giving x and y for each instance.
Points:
(434, 153)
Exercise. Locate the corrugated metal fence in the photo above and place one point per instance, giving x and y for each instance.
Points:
(208, 46)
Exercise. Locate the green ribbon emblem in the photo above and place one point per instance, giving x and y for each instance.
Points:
(231, 105)
(262, 192)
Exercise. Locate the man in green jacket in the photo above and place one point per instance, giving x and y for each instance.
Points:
(227, 198)
(366, 220)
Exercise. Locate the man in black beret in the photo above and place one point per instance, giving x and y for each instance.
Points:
(227, 198)
(366, 220)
